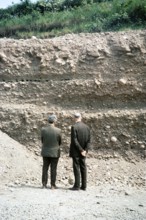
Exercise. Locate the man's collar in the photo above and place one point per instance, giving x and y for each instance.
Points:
(52, 125)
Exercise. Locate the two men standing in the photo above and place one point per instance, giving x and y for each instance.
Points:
(51, 141)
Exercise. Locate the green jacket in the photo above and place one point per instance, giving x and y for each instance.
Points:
(51, 141)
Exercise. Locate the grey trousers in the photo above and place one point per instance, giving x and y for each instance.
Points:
(52, 163)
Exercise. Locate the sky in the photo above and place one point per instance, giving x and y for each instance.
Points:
(6, 3)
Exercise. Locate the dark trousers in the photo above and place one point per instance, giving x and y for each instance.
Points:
(80, 169)
(52, 162)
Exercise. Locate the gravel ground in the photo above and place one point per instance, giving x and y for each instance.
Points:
(116, 188)
(107, 202)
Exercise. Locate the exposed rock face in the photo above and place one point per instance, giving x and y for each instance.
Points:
(103, 76)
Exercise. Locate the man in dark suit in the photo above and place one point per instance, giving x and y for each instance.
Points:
(51, 141)
(80, 142)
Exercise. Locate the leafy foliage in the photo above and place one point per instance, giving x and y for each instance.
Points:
(49, 18)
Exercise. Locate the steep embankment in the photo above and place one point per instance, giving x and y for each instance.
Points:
(17, 164)
(101, 75)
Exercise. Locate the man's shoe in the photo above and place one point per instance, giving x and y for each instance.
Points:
(82, 188)
(74, 188)
(54, 187)
(44, 187)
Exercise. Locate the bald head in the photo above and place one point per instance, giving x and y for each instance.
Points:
(77, 117)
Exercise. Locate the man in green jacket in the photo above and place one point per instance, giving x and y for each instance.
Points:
(51, 141)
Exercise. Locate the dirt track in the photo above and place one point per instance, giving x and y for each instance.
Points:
(107, 202)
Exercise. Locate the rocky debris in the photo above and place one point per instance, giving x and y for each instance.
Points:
(116, 187)
(17, 164)
(20, 167)
(123, 136)
(100, 75)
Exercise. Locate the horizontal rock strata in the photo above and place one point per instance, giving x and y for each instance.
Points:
(103, 76)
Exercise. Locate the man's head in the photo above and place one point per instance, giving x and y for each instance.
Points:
(52, 119)
(77, 117)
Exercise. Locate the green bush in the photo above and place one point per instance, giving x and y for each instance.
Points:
(81, 16)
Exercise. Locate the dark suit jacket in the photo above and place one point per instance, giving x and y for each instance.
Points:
(80, 139)
(51, 141)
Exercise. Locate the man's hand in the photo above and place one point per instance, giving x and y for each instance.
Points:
(83, 153)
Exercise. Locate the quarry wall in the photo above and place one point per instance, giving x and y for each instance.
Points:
(103, 76)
